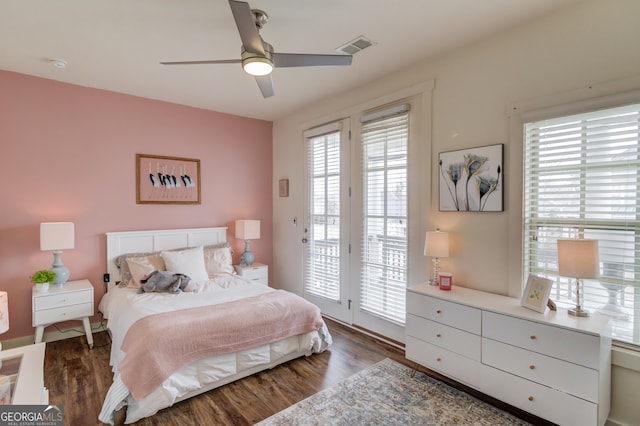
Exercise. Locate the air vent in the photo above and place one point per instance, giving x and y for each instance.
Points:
(356, 45)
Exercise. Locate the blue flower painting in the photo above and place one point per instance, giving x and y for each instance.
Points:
(471, 179)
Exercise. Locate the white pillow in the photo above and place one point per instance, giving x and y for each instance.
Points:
(189, 262)
(218, 261)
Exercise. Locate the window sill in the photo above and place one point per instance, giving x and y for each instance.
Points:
(626, 356)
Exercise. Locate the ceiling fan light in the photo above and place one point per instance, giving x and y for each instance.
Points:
(257, 66)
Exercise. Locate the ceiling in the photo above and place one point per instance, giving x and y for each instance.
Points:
(117, 45)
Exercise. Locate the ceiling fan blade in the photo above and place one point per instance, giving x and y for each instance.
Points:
(266, 85)
(221, 61)
(246, 27)
(281, 60)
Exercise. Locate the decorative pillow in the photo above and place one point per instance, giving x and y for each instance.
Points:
(121, 263)
(218, 261)
(189, 262)
(141, 267)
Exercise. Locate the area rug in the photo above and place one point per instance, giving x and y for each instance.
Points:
(386, 394)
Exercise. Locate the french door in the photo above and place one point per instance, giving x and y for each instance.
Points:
(357, 232)
(326, 226)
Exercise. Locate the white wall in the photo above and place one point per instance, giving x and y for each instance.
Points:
(593, 43)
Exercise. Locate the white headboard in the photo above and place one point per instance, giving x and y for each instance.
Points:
(166, 239)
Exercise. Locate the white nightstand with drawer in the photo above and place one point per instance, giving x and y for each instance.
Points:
(258, 272)
(71, 301)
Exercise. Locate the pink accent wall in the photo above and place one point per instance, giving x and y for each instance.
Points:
(67, 153)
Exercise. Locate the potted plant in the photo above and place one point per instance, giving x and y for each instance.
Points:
(42, 279)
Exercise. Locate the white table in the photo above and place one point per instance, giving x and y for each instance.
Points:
(22, 369)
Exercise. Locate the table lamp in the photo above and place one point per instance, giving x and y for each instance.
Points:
(4, 314)
(57, 236)
(247, 230)
(436, 245)
(578, 259)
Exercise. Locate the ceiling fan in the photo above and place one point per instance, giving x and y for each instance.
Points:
(257, 56)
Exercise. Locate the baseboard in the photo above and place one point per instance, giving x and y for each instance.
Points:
(52, 336)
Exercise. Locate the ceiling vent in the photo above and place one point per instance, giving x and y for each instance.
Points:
(356, 45)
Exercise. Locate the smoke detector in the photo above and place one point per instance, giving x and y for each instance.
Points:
(58, 63)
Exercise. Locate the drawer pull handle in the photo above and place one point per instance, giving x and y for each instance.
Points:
(530, 398)
(532, 337)
(438, 335)
(438, 359)
(532, 367)
(438, 311)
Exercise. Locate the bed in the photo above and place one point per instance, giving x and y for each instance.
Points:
(162, 350)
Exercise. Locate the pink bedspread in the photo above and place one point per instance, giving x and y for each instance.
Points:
(158, 345)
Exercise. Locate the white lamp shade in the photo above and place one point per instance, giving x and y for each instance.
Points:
(248, 229)
(436, 244)
(578, 258)
(57, 235)
(4, 312)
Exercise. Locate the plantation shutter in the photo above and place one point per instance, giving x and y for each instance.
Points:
(385, 137)
(582, 180)
(322, 250)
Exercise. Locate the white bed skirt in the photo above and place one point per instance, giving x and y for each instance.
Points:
(210, 373)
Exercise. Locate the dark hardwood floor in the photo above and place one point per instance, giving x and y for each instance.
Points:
(79, 378)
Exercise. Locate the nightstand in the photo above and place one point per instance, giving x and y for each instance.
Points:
(257, 272)
(72, 301)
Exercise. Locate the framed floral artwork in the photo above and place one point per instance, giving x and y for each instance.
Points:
(472, 179)
(167, 180)
(536, 293)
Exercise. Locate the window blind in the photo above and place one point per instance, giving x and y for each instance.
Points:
(383, 283)
(582, 179)
(322, 250)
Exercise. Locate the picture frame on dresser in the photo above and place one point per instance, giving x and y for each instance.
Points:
(536, 293)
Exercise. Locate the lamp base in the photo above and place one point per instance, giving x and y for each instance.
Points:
(578, 312)
(436, 268)
(62, 272)
(246, 259)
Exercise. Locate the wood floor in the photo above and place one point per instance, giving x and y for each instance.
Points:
(79, 379)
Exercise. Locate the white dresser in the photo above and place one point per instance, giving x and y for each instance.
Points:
(552, 365)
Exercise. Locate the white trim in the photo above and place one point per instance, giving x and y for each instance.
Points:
(620, 91)
(323, 129)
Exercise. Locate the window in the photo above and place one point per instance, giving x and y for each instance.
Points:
(385, 137)
(582, 179)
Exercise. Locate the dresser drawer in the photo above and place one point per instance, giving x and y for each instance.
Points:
(561, 375)
(49, 316)
(453, 339)
(62, 299)
(453, 365)
(448, 313)
(572, 346)
(543, 401)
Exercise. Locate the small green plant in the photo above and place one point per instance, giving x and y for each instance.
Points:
(43, 276)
